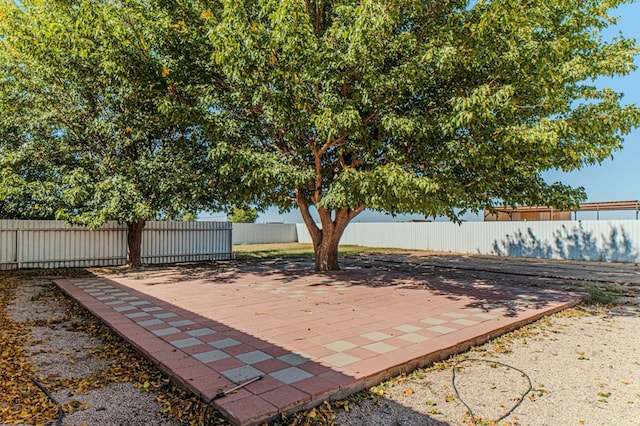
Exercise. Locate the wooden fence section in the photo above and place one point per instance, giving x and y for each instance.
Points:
(53, 244)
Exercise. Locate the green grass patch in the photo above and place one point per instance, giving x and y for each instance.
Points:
(604, 295)
(293, 250)
(286, 250)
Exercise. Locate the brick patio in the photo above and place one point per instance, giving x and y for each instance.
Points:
(309, 337)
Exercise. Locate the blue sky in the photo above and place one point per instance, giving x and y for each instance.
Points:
(617, 178)
(614, 180)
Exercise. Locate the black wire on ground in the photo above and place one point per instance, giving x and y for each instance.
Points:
(508, 413)
(46, 392)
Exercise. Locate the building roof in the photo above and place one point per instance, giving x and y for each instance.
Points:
(594, 206)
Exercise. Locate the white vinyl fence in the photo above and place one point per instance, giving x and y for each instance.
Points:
(610, 240)
(53, 244)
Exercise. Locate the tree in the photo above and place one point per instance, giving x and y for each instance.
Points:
(98, 118)
(242, 215)
(432, 107)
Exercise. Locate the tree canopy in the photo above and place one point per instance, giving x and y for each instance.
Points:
(242, 215)
(432, 107)
(133, 110)
(98, 120)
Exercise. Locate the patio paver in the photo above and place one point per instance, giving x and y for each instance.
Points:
(310, 337)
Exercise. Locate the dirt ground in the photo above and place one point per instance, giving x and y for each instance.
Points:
(62, 358)
(580, 367)
(577, 367)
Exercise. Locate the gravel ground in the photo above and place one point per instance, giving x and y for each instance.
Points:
(578, 367)
(584, 370)
(116, 404)
(57, 352)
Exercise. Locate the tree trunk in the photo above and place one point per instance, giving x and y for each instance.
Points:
(134, 241)
(326, 239)
(326, 252)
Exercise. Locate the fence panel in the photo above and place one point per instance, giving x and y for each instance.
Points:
(53, 244)
(258, 233)
(610, 240)
(8, 245)
(172, 241)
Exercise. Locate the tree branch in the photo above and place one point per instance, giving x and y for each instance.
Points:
(355, 212)
(303, 204)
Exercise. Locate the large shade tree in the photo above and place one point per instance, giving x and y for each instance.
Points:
(436, 107)
(98, 117)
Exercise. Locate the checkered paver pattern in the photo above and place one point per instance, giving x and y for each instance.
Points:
(185, 333)
(308, 336)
